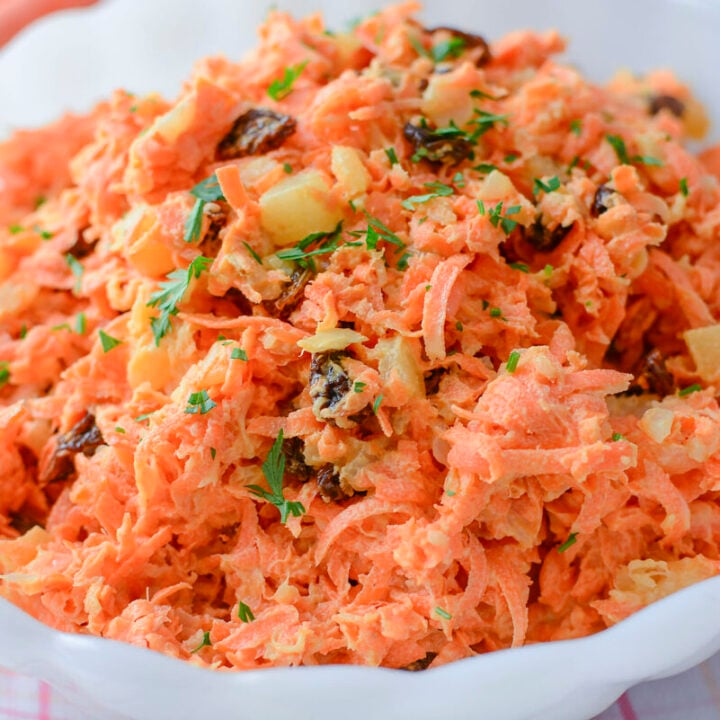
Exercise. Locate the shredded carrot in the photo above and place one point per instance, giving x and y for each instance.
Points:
(338, 358)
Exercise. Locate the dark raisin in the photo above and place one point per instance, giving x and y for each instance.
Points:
(471, 42)
(542, 238)
(329, 383)
(83, 437)
(329, 484)
(432, 380)
(291, 296)
(666, 102)
(653, 376)
(293, 449)
(243, 305)
(81, 248)
(601, 201)
(437, 147)
(211, 243)
(257, 131)
(422, 663)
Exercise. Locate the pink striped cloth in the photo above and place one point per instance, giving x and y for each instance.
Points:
(694, 695)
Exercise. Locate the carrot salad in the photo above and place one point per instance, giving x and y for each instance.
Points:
(387, 347)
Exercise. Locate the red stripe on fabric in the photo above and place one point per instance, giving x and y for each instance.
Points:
(626, 708)
(44, 700)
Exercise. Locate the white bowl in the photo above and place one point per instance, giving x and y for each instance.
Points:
(67, 62)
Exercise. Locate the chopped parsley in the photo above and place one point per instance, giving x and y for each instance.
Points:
(274, 469)
(550, 186)
(287, 167)
(495, 312)
(15, 229)
(443, 613)
(4, 373)
(23, 332)
(199, 403)
(450, 493)
(303, 257)
(44, 234)
(391, 156)
(485, 168)
(522, 267)
(618, 145)
(403, 261)
(204, 192)
(485, 121)
(510, 158)
(213, 453)
(459, 179)
(617, 436)
(513, 360)
(283, 86)
(459, 326)
(120, 430)
(253, 254)
(690, 389)
(576, 127)
(143, 417)
(40, 200)
(497, 218)
(171, 293)
(108, 343)
(377, 231)
(358, 386)
(77, 270)
(376, 404)
(438, 190)
(80, 323)
(684, 187)
(548, 270)
(448, 49)
(572, 539)
(245, 613)
(573, 164)
(205, 643)
(238, 354)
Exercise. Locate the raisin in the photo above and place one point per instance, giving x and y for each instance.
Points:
(542, 238)
(422, 663)
(83, 437)
(293, 449)
(255, 132)
(329, 484)
(436, 147)
(666, 102)
(211, 242)
(291, 296)
(653, 376)
(432, 380)
(329, 383)
(602, 200)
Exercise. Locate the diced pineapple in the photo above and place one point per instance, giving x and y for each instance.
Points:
(138, 236)
(349, 170)
(704, 346)
(326, 340)
(298, 206)
(396, 355)
(444, 100)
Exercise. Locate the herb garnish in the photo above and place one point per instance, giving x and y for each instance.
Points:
(205, 643)
(690, 390)
(282, 87)
(443, 613)
(274, 469)
(4, 373)
(303, 257)
(245, 613)
(108, 342)
(576, 127)
(684, 187)
(171, 293)
(572, 539)
(80, 323)
(496, 216)
(550, 186)
(206, 191)
(213, 453)
(287, 167)
(513, 360)
(438, 190)
(199, 403)
(452, 49)
(391, 156)
(616, 436)
(77, 270)
(521, 266)
(376, 404)
(622, 154)
(253, 254)
(238, 354)
(358, 386)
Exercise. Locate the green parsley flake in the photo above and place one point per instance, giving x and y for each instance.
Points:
(548, 270)
(617, 436)
(376, 404)
(438, 190)
(497, 219)
(510, 158)
(44, 234)
(108, 343)
(4, 373)
(522, 267)
(77, 270)
(205, 643)
(274, 469)
(459, 326)
(550, 186)
(495, 312)
(23, 332)
(329, 242)
(204, 192)
(143, 417)
(253, 254)
(40, 200)
(120, 430)
(391, 156)
(282, 87)
(238, 354)
(450, 493)
(358, 386)
(485, 168)
(448, 49)
(245, 613)
(15, 229)
(171, 293)
(287, 167)
(576, 127)
(199, 403)
(684, 187)
(622, 154)
(80, 323)
(443, 613)
(513, 360)
(213, 453)
(572, 539)
(690, 390)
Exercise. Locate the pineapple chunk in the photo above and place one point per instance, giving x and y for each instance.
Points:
(704, 346)
(349, 170)
(327, 340)
(395, 355)
(298, 206)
